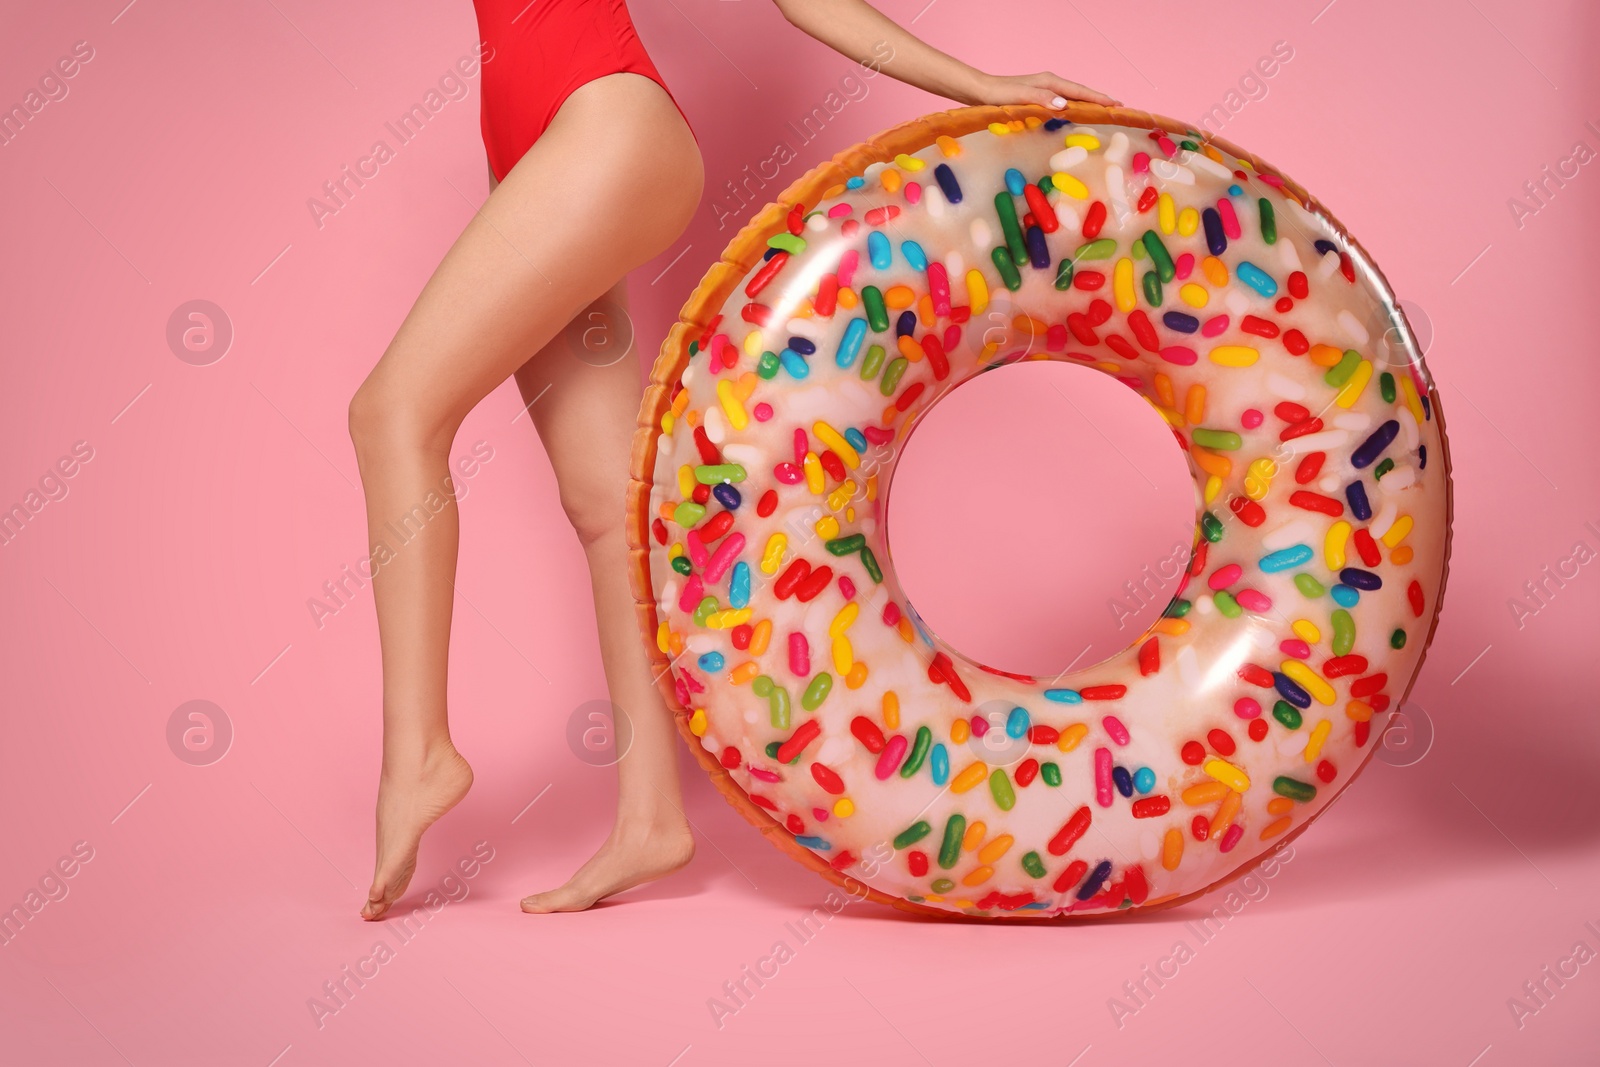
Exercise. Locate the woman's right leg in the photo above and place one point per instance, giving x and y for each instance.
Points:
(567, 224)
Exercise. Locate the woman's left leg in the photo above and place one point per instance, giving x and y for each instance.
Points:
(583, 393)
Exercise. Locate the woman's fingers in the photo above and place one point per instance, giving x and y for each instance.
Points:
(1072, 90)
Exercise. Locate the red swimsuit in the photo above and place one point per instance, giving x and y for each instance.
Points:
(536, 53)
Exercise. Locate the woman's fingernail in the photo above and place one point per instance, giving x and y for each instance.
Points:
(1058, 101)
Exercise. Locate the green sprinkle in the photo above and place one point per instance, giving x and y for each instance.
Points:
(1225, 603)
(1294, 789)
(1000, 785)
(1064, 274)
(1104, 248)
(688, 513)
(711, 474)
(789, 242)
(919, 752)
(767, 366)
(1006, 264)
(681, 564)
(1033, 864)
(1344, 632)
(942, 885)
(950, 848)
(1385, 465)
(1051, 773)
(1046, 186)
(703, 610)
(912, 834)
(817, 691)
(762, 686)
(1177, 609)
(872, 364)
(1269, 222)
(877, 314)
(844, 546)
(1386, 386)
(1287, 714)
(1217, 440)
(870, 562)
(778, 707)
(1159, 256)
(1340, 372)
(891, 375)
(1006, 208)
(1152, 288)
(1309, 587)
(1397, 639)
(1211, 527)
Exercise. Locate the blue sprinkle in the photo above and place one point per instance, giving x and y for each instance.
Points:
(1015, 182)
(1356, 493)
(1177, 320)
(1123, 780)
(850, 343)
(939, 764)
(802, 345)
(1017, 723)
(711, 661)
(1360, 579)
(1290, 690)
(1035, 905)
(1323, 247)
(1144, 780)
(914, 255)
(1256, 278)
(857, 439)
(855, 183)
(1052, 125)
(878, 250)
(794, 363)
(906, 324)
(818, 843)
(1427, 409)
(727, 496)
(947, 182)
(1422, 456)
(1063, 696)
(1038, 251)
(1234, 190)
(769, 253)
(1097, 878)
(1346, 596)
(739, 585)
(1373, 446)
(1216, 240)
(1284, 559)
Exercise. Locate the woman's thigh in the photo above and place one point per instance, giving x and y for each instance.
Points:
(609, 186)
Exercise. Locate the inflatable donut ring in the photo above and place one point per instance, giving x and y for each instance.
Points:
(1186, 269)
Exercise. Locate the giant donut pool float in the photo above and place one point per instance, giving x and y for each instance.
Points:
(1190, 271)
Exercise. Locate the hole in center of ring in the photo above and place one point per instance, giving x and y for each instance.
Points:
(1040, 517)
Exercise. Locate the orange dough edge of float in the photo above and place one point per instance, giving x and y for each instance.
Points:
(742, 252)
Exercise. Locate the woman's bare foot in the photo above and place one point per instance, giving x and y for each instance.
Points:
(409, 801)
(635, 853)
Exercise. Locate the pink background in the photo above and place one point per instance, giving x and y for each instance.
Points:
(177, 567)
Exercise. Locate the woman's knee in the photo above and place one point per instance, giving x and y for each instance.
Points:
(595, 510)
(385, 417)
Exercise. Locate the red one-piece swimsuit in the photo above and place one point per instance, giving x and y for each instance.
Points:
(536, 52)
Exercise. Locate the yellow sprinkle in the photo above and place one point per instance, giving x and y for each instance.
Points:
(697, 722)
(1071, 736)
(1069, 185)
(731, 405)
(908, 162)
(1353, 388)
(969, 777)
(1166, 213)
(686, 482)
(1258, 478)
(1309, 680)
(844, 656)
(841, 496)
(1188, 222)
(728, 618)
(827, 527)
(999, 129)
(1408, 389)
(1233, 355)
(1306, 630)
(844, 807)
(1122, 285)
(1213, 487)
(1318, 735)
(752, 343)
(1082, 140)
(812, 466)
(1333, 545)
(772, 555)
(977, 291)
(1196, 296)
(991, 852)
(1227, 774)
(842, 621)
(663, 635)
(1397, 532)
(759, 636)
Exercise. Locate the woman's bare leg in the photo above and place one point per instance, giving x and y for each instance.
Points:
(584, 393)
(566, 225)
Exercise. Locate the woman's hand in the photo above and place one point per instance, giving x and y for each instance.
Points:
(1045, 89)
